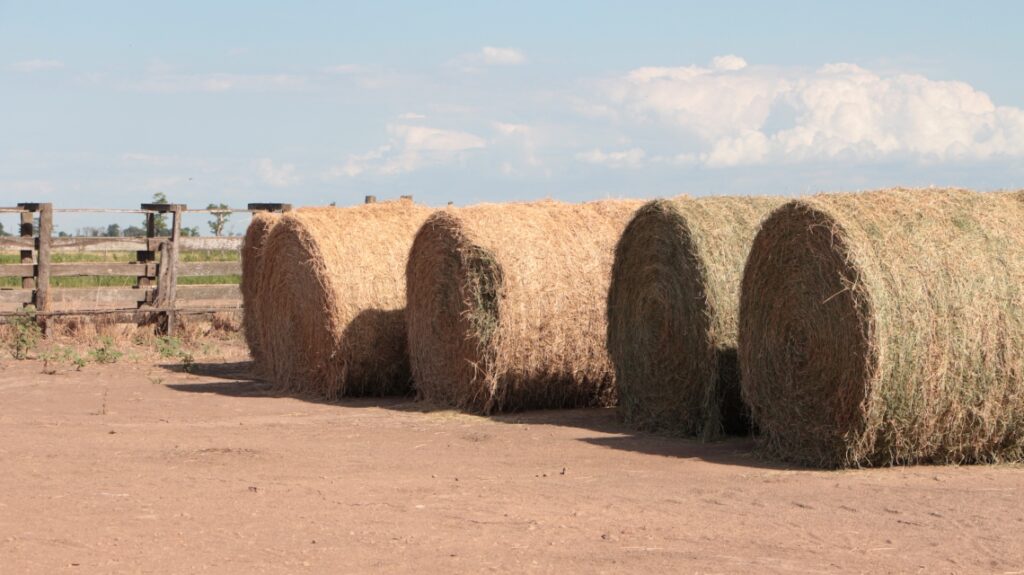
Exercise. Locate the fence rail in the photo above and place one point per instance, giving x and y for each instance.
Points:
(156, 268)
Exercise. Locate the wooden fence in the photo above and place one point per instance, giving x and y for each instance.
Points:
(156, 268)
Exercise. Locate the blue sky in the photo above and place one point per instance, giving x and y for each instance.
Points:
(105, 103)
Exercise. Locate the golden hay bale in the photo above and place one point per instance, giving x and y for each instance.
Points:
(673, 309)
(506, 304)
(333, 292)
(887, 328)
(252, 247)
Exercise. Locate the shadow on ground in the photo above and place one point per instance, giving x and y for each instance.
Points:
(237, 380)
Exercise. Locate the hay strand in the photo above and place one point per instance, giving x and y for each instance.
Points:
(673, 309)
(887, 328)
(333, 292)
(507, 304)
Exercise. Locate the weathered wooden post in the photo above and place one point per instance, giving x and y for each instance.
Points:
(167, 271)
(147, 256)
(169, 267)
(42, 298)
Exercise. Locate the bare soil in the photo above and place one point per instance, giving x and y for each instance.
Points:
(144, 468)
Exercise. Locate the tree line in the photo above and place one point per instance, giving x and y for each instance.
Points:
(217, 224)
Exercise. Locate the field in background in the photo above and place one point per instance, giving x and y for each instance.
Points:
(124, 257)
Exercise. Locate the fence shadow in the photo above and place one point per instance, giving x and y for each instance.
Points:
(237, 380)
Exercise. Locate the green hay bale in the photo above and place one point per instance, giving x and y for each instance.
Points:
(673, 306)
(887, 328)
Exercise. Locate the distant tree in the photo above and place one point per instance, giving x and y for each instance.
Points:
(113, 231)
(2, 232)
(63, 234)
(160, 223)
(190, 232)
(134, 232)
(219, 219)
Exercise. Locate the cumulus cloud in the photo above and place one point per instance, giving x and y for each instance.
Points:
(411, 147)
(631, 158)
(744, 114)
(500, 56)
(37, 65)
(274, 175)
(489, 56)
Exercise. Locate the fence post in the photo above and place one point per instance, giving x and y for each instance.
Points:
(371, 199)
(45, 236)
(169, 269)
(146, 256)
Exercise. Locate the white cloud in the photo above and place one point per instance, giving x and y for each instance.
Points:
(727, 63)
(277, 176)
(501, 56)
(412, 147)
(489, 56)
(518, 145)
(37, 65)
(168, 83)
(631, 158)
(411, 116)
(507, 129)
(742, 114)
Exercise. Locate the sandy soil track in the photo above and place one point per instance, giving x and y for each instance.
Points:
(142, 468)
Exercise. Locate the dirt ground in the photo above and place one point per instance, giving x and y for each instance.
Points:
(143, 468)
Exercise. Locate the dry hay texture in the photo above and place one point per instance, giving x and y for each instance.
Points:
(673, 309)
(332, 292)
(887, 328)
(252, 247)
(507, 305)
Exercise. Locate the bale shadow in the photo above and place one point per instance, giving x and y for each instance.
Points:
(237, 380)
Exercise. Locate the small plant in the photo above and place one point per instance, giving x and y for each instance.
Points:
(54, 357)
(168, 346)
(26, 333)
(188, 363)
(172, 347)
(106, 352)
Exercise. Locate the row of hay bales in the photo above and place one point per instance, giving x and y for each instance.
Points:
(849, 329)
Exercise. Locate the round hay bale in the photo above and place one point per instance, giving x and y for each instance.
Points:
(673, 309)
(507, 305)
(333, 293)
(252, 248)
(887, 328)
